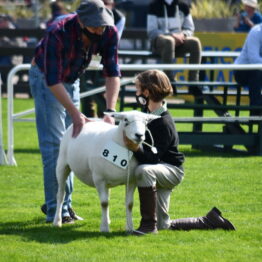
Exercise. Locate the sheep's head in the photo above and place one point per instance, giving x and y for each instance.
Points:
(133, 124)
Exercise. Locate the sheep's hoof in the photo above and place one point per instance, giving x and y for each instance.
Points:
(57, 224)
(128, 229)
(104, 230)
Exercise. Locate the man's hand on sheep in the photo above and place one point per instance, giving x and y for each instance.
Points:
(78, 120)
(130, 144)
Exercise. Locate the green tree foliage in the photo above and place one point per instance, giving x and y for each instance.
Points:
(214, 9)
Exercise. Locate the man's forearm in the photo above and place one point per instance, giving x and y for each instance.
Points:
(61, 95)
(112, 91)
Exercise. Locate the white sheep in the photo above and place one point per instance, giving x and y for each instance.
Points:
(98, 157)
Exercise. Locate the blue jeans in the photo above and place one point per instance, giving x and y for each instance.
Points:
(51, 121)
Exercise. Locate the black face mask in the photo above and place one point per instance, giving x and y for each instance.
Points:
(91, 36)
(142, 101)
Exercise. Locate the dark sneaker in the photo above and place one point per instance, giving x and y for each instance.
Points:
(68, 220)
(145, 228)
(218, 221)
(73, 215)
(65, 220)
(44, 208)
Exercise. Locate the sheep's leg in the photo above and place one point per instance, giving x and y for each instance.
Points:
(62, 173)
(130, 189)
(103, 192)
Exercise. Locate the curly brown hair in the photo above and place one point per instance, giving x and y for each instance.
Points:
(156, 82)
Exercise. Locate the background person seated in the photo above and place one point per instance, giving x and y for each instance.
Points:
(170, 28)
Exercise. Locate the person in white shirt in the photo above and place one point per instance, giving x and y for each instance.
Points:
(251, 54)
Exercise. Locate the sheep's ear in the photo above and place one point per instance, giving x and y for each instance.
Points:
(116, 115)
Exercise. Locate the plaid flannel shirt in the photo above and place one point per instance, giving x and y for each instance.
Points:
(61, 55)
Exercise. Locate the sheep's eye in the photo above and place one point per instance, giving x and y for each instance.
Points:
(126, 122)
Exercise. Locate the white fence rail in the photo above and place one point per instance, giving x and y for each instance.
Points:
(3, 159)
(124, 67)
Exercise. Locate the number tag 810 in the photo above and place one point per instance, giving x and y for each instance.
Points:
(116, 154)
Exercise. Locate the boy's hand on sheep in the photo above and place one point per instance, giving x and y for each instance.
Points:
(130, 144)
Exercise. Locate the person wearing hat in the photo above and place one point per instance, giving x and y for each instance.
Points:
(248, 17)
(71, 44)
(95, 105)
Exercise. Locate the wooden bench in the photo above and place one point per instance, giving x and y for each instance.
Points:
(185, 88)
(251, 140)
(146, 54)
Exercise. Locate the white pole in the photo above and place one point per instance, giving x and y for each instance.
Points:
(3, 159)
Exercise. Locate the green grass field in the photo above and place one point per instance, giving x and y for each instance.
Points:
(232, 182)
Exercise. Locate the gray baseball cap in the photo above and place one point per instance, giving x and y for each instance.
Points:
(94, 13)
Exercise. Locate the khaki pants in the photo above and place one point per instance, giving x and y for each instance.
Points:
(165, 177)
(165, 47)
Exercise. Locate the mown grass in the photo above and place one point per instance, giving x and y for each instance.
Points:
(231, 182)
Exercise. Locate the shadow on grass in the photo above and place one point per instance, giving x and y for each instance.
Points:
(27, 150)
(39, 231)
(214, 152)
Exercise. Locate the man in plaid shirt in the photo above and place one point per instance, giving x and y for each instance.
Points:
(71, 44)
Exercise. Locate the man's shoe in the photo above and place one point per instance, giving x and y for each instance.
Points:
(73, 215)
(68, 220)
(215, 218)
(65, 220)
(44, 208)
